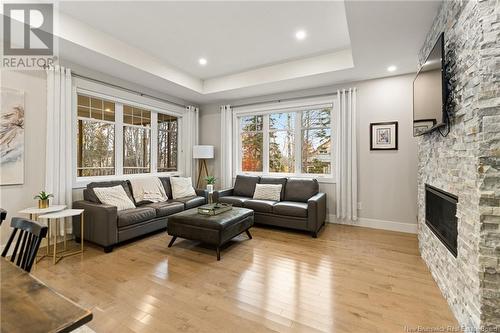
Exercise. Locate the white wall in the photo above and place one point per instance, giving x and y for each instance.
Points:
(16, 197)
(387, 179)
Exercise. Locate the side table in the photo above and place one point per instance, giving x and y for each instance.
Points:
(63, 214)
(34, 212)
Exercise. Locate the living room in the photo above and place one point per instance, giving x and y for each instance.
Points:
(256, 166)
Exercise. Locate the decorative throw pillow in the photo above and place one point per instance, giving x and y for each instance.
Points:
(114, 196)
(182, 187)
(267, 192)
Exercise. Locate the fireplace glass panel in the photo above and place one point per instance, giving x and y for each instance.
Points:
(440, 216)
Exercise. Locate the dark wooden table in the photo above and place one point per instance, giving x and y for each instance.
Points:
(28, 305)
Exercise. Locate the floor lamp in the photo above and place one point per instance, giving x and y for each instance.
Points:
(202, 153)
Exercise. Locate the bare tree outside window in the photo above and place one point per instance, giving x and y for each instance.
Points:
(316, 141)
(95, 137)
(282, 142)
(298, 142)
(136, 140)
(167, 143)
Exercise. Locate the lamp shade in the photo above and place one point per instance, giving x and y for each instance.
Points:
(203, 152)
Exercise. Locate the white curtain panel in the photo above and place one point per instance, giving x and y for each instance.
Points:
(190, 121)
(347, 165)
(226, 169)
(58, 159)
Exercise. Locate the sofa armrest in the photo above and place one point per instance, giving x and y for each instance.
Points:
(100, 223)
(316, 211)
(221, 193)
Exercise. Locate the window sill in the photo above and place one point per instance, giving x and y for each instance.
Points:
(325, 179)
(82, 182)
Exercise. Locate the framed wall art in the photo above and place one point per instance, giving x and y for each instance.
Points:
(384, 136)
(422, 126)
(11, 137)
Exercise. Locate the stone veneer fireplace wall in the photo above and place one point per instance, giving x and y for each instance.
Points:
(467, 163)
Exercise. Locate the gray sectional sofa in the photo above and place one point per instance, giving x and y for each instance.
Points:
(301, 205)
(106, 226)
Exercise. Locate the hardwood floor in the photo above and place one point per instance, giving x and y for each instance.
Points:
(349, 279)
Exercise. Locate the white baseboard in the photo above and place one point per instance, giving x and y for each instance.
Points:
(377, 224)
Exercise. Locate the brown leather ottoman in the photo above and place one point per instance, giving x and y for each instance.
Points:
(215, 230)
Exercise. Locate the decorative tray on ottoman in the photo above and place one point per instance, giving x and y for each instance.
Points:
(214, 208)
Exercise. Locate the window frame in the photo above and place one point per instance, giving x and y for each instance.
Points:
(296, 106)
(121, 97)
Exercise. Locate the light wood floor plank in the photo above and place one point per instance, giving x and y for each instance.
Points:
(349, 279)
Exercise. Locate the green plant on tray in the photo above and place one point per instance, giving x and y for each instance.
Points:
(210, 180)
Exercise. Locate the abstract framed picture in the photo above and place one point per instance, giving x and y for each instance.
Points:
(384, 136)
(11, 137)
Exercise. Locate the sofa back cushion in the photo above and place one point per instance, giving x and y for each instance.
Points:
(301, 189)
(275, 180)
(245, 185)
(168, 187)
(89, 194)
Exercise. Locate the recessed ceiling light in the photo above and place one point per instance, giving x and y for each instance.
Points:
(392, 68)
(301, 34)
(202, 61)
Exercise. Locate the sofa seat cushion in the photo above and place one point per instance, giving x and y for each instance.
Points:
(234, 200)
(261, 206)
(128, 217)
(190, 202)
(165, 208)
(290, 208)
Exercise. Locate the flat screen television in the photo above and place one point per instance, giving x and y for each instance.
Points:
(430, 92)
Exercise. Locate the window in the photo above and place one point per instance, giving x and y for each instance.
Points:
(282, 142)
(293, 142)
(136, 140)
(96, 137)
(252, 143)
(115, 138)
(167, 143)
(316, 141)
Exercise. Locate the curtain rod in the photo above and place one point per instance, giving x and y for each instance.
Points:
(127, 89)
(283, 100)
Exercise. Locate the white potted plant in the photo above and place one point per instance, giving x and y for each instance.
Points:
(210, 183)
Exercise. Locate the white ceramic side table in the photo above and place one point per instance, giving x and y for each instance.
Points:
(63, 214)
